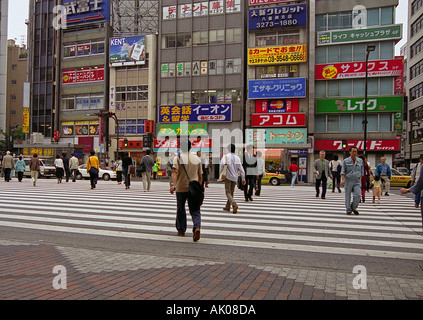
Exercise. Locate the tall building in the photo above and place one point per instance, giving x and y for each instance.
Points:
(202, 71)
(346, 34)
(415, 81)
(3, 62)
(16, 78)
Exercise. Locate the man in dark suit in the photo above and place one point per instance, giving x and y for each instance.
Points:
(250, 167)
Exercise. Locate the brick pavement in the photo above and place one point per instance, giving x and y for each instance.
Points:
(26, 272)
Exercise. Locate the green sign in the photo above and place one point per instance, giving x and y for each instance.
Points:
(354, 105)
(188, 129)
(359, 35)
(277, 136)
(398, 121)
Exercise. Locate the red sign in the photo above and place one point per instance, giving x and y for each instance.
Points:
(83, 75)
(174, 143)
(277, 106)
(372, 145)
(132, 144)
(278, 120)
(380, 68)
(259, 2)
(56, 135)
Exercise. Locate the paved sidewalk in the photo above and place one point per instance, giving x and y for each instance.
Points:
(27, 271)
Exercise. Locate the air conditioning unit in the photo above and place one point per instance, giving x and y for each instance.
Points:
(37, 138)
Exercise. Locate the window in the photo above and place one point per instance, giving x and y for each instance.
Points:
(83, 48)
(373, 17)
(416, 70)
(234, 35)
(415, 6)
(345, 53)
(333, 123)
(217, 36)
(416, 91)
(386, 16)
(169, 41)
(280, 38)
(199, 38)
(183, 40)
(358, 123)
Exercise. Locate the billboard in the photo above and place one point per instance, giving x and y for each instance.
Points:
(260, 2)
(280, 54)
(196, 113)
(277, 88)
(371, 145)
(83, 75)
(277, 17)
(346, 70)
(360, 35)
(277, 136)
(278, 120)
(78, 12)
(182, 129)
(277, 106)
(350, 105)
(129, 50)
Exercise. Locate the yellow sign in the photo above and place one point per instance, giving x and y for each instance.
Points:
(25, 120)
(275, 55)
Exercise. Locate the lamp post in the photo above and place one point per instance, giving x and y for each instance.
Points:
(369, 48)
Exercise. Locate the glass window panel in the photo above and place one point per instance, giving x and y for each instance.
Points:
(359, 52)
(333, 21)
(385, 121)
(372, 86)
(321, 22)
(386, 50)
(386, 86)
(320, 89)
(345, 53)
(320, 123)
(358, 87)
(333, 54)
(321, 55)
(333, 88)
(373, 17)
(372, 122)
(374, 55)
(387, 15)
(333, 123)
(229, 35)
(345, 88)
(358, 123)
(345, 123)
(346, 20)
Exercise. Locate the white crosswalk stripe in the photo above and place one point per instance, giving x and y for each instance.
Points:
(280, 219)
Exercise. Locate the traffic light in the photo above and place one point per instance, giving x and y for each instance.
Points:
(344, 144)
(125, 143)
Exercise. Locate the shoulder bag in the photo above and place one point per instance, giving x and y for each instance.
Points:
(224, 169)
(195, 190)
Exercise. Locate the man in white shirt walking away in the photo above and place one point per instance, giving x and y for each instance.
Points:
(233, 169)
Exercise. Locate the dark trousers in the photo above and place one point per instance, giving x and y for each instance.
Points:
(249, 186)
(336, 179)
(119, 176)
(127, 176)
(73, 174)
(67, 173)
(258, 184)
(181, 214)
(323, 181)
(93, 179)
(20, 176)
(7, 172)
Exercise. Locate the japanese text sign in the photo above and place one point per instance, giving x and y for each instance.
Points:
(277, 17)
(83, 75)
(278, 120)
(86, 11)
(277, 136)
(381, 68)
(183, 129)
(196, 113)
(277, 88)
(359, 35)
(374, 104)
(173, 145)
(260, 2)
(277, 106)
(371, 145)
(275, 55)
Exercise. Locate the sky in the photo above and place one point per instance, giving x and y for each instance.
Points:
(18, 12)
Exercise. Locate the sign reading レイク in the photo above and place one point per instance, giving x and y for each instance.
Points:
(276, 55)
(374, 104)
(277, 88)
(359, 35)
(196, 113)
(277, 17)
(380, 68)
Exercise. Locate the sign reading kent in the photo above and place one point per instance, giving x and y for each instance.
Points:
(359, 35)
(374, 104)
(277, 88)
(86, 11)
(221, 112)
(130, 50)
(277, 17)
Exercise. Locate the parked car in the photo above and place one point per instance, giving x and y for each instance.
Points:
(47, 169)
(274, 179)
(403, 170)
(397, 179)
(104, 174)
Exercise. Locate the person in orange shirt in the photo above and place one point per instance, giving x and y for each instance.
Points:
(93, 168)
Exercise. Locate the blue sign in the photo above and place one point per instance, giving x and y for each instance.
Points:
(78, 12)
(130, 50)
(221, 112)
(277, 17)
(277, 88)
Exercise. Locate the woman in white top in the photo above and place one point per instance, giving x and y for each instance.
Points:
(60, 168)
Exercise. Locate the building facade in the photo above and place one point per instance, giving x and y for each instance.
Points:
(344, 33)
(3, 62)
(415, 82)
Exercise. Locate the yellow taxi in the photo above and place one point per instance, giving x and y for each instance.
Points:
(274, 179)
(397, 179)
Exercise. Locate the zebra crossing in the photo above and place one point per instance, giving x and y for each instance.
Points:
(280, 219)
